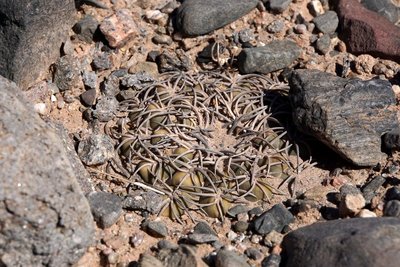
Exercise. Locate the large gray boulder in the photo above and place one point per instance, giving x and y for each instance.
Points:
(341, 243)
(349, 115)
(44, 218)
(31, 34)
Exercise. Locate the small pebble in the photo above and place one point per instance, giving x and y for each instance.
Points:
(364, 213)
(240, 226)
(166, 244)
(300, 28)
(40, 108)
(393, 193)
(231, 235)
(276, 26)
(272, 239)
(327, 22)
(253, 253)
(89, 97)
(106, 208)
(156, 229)
(392, 208)
(323, 43)
(162, 39)
(136, 240)
(315, 7)
(112, 258)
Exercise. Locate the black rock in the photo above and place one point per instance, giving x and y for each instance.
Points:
(67, 73)
(106, 108)
(89, 97)
(386, 8)
(183, 256)
(203, 228)
(393, 193)
(369, 190)
(228, 258)
(201, 17)
(31, 34)
(253, 253)
(334, 109)
(86, 28)
(255, 211)
(327, 23)
(166, 244)
(274, 219)
(343, 243)
(274, 56)
(272, 260)
(392, 208)
(45, 219)
(155, 228)
(106, 208)
(391, 140)
(277, 6)
(323, 43)
(96, 149)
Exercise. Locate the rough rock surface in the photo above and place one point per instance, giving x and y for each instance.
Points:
(350, 116)
(200, 17)
(349, 242)
(366, 32)
(45, 219)
(264, 59)
(386, 8)
(274, 219)
(32, 28)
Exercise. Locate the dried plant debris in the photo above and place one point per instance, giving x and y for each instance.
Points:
(205, 141)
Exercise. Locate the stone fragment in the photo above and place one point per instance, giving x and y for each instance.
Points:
(203, 228)
(169, 62)
(86, 28)
(106, 208)
(342, 243)
(89, 97)
(201, 17)
(366, 32)
(146, 67)
(369, 190)
(156, 228)
(392, 209)
(327, 23)
(144, 201)
(195, 238)
(162, 39)
(110, 87)
(240, 226)
(278, 6)
(147, 260)
(184, 256)
(96, 149)
(276, 26)
(334, 109)
(45, 219)
(386, 8)
(102, 61)
(228, 258)
(273, 239)
(391, 140)
(272, 260)
(315, 7)
(166, 244)
(119, 28)
(237, 209)
(106, 108)
(67, 73)
(364, 213)
(393, 193)
(253, 253)
(274, 56)
(89, 79)
(323, 43)
(274, 219)
(31, 34)
(351, 200)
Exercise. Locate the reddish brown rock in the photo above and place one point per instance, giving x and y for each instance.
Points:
(366, 32)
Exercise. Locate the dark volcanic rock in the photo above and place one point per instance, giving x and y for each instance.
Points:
(227, 258)
(44, 218)
(369, 190)
(366, 32)
(31, 34)
(342, 243)
(86, 28)
(327, 22)
(183, 256)
(277, 6)
(200, 17)
(392, 208)
(348, 115)
(67, 74)
(96, 149)
(274, 219)
(391, 140)
(264, 59)
(106, 208)
(156, 228)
